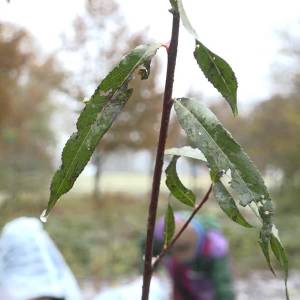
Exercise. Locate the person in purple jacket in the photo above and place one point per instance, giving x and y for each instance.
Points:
(198, 261)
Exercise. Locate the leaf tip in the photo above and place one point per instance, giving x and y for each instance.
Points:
(235, 111)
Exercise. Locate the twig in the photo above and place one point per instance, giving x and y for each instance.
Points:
(196, 209)
(167, 105)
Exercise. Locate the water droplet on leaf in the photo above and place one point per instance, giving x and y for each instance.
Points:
(43, 216)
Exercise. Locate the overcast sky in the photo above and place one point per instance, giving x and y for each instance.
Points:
(245, 33)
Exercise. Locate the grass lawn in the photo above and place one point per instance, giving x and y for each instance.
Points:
(100, 239)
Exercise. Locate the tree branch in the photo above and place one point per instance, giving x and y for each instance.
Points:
(167, 105)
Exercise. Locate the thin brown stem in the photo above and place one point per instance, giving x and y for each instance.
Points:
(167, 105)
(185, 225)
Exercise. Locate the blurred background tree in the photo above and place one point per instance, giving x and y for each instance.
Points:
(27, 83)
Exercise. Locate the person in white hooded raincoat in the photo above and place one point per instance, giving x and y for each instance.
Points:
(31, 266)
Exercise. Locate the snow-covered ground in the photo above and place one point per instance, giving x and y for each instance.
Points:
(258, 286)
(262, 286)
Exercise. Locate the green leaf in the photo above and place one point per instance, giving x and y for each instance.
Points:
(223, 153)
(219, 73)
(230, 166)
(215, 68)
(178, 190)
(169, 227)
(278, 250)
(186, 151)
(97, 117)
(264, 245)
(269, 236)
(228, 205)
(281, 256)
(185, 20)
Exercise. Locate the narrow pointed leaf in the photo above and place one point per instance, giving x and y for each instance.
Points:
(97, 117)
(228, 205)
(281, 256)
(186, 151)
(226, 158)
(178, 190)
(222, 152)
(185, 20)
(265, 250)
(269, 236)
(219, 73)
(169, 228)
(216, 69)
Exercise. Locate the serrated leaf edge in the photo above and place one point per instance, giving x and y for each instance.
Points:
(208, 52)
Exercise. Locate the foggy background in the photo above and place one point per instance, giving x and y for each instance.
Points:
(53, 54)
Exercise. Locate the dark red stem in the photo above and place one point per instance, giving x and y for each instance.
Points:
(167, 105)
